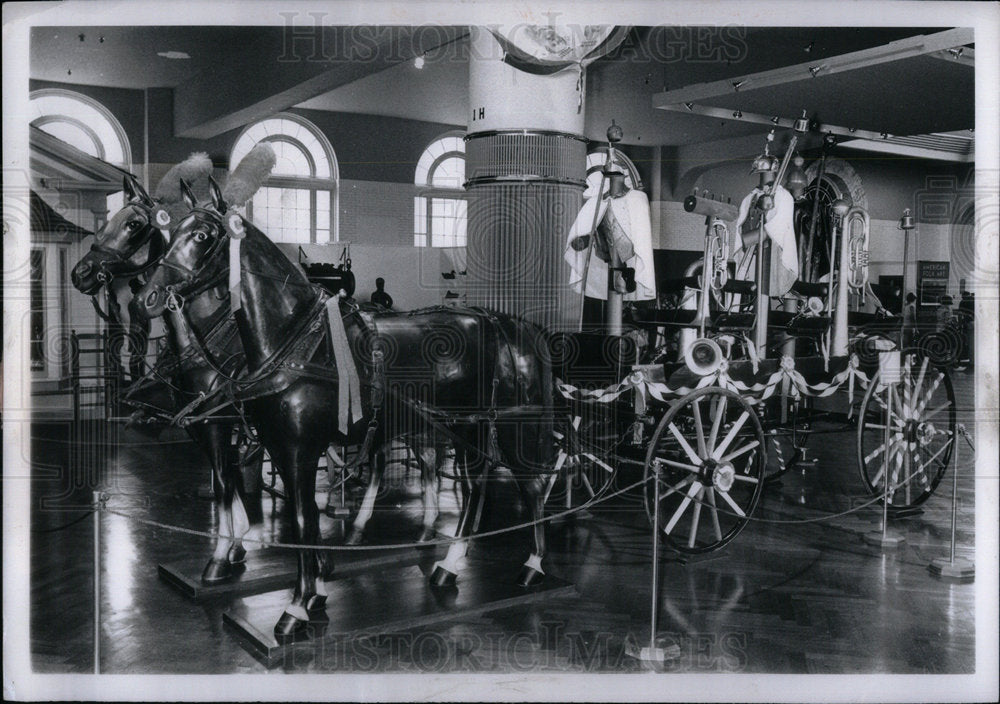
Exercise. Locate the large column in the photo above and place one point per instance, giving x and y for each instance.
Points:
(525, 171)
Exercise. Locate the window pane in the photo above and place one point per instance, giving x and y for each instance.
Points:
(323, 210)
(74, 136)
(322, 236)
(291, 161)
(78, 109)
(450, 173)
(420, 240)
(420, 215)
(448, 222)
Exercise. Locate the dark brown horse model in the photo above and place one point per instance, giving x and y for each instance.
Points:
(482, 379)
(129, 244)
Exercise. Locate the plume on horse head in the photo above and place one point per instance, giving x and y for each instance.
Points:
(196, 171)
(249, 175)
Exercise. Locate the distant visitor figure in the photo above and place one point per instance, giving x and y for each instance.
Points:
(380, 297)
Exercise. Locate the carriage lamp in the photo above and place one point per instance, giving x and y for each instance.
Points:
(906, 224)
(796, 179)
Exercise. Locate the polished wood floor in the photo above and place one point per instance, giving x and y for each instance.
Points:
(782, 598)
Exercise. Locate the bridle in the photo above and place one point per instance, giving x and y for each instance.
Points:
(119, 259)
(191, 278)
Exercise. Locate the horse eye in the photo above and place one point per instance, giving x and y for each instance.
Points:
(200, 236)
(133, 225)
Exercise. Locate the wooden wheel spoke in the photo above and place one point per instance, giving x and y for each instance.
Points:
(918, 384)
(681, 465)
(745, 478)
(736, 453)
(720, 413)
(731, 435)
(874, 453)
(735, 506)
(710, 499)
(688, 450)
(930, 414)
(695, 518)
(694, 489)
(927, 397)
(696, 411)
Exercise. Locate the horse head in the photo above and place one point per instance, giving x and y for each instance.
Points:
(196, 258)
(119, 248)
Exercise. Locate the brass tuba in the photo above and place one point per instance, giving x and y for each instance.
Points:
(858, 226)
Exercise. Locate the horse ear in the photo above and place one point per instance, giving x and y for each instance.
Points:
(134, 190)
(189, 197)
(217, 200)
(128, 185)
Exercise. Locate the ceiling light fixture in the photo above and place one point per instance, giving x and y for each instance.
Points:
(174, 54)
(419, 61)
(814, 70)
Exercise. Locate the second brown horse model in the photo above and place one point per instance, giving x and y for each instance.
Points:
(482, 379)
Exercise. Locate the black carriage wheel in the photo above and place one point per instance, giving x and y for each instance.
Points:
(922, 433)
(584, 460)
(710, 453)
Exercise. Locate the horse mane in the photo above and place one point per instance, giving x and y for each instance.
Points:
(270, 261)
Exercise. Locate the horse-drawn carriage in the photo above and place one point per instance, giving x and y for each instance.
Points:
(293, 367)
(736, 386)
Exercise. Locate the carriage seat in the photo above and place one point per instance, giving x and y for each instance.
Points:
(798, 325)
(733, 322)
(806, 289)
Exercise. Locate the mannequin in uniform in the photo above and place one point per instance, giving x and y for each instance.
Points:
(620, 244)
(380, 297)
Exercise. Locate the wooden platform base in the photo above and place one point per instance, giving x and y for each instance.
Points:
(390, 601)
(267, 570)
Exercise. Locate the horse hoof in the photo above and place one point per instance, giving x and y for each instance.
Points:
(427, 535)
(441, 577)
(317, 602)
(237, 555)
(216, 571)
(289, 628)
(355, 537)
(529, 577)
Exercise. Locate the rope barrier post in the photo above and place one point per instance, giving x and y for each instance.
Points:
(99, 500)
(653, 653)
(951, 568)
(891, 370)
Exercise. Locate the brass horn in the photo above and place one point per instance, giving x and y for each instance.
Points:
(858, 227)
(703, 356)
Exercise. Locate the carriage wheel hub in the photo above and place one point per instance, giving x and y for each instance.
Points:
(925, 432)
(723, 476)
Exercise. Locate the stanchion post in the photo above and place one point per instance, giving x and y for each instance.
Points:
(653, 653)
(952, 568)
(98, 505)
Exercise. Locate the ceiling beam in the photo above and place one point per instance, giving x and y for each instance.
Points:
(893, 51)
(772, 120)
(283, 69)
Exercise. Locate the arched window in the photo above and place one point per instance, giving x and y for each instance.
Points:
(439, 208)
(596, 160)
(299, 201)
(81, 122)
